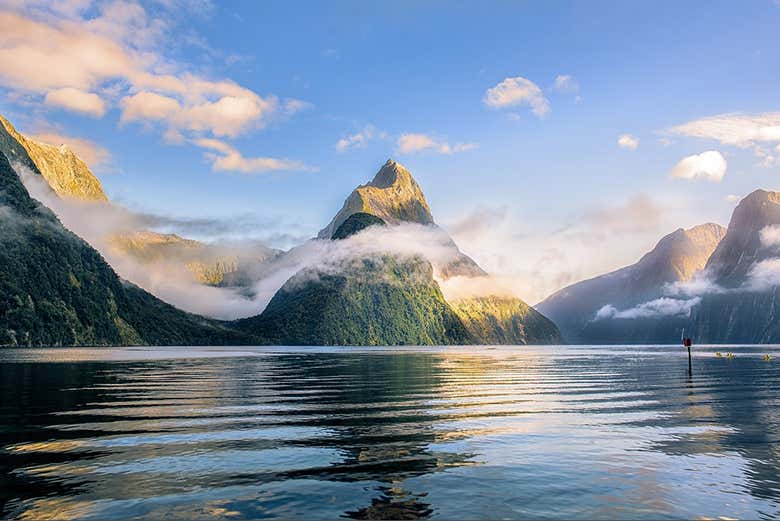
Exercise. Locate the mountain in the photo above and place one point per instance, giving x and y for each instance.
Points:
(392, 299)
(676, 258)
(355, 223)
(393, 196)
(63, 170)
(376, 301)
(70, 178)
(744, 269)
(505, 320)
(56, 290)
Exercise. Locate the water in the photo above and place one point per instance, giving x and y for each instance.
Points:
(467, 433)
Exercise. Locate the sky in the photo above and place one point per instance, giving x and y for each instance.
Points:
(553, 140)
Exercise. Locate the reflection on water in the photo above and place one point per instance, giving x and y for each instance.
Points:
(558, 432)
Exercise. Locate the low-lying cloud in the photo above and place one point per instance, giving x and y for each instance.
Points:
(660, 307)
(263, 271)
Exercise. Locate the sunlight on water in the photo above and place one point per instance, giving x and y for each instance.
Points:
(557, 432)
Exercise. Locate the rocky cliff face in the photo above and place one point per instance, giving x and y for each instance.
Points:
(742, 248)
(676, 258)
(746, 309)
(393, 196)
(63, 170)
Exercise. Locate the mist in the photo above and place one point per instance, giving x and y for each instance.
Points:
(169, 279)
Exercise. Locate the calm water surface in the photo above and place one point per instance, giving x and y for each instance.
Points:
(467, 433)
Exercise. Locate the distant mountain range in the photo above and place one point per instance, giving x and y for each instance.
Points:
(676, 258)
(366, 288)
(719, 286)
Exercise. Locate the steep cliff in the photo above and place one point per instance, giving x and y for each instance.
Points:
(393, 196)
(56, 290)
(676, 258)
(744, 271)
(63, 170)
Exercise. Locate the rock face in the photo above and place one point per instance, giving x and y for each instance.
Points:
(676, 258)
(63, 170)
(356, 223)
(56, 290)
(747, 309)
(393, 196)
(392, 300)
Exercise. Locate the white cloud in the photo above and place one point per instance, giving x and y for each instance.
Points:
(512, 92)
(661, 307)
(738, 129)
(113, 56)
(770, 236)
(566, 83)
(628, 141)
(710, 165)
(95, 156)
(77, 100)
(227, 158)
(411, 143)
(359, 139)
(764, 275)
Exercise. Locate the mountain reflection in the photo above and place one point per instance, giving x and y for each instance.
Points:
(551, 432)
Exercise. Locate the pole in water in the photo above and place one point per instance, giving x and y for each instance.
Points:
(687, 343)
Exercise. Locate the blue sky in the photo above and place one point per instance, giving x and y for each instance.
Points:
(514, 187)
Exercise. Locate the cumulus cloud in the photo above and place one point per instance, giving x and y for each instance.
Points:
(358, 139)
(517, 91)
(756, 131)
(77, 101)
(710, 165)
(412, 143)
(112, 58)
(661, 307)
(628, 141)
(226, 158)
(94, 155)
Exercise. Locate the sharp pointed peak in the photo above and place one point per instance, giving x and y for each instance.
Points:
(391, 173)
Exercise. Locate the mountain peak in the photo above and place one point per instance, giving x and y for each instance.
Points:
(391, 173)
(63, 170)
(741, 248)
(392, 195)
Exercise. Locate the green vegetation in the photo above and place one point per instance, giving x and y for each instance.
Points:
(56, 290)
(356, 223)
(505, 321)
(383, 301)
